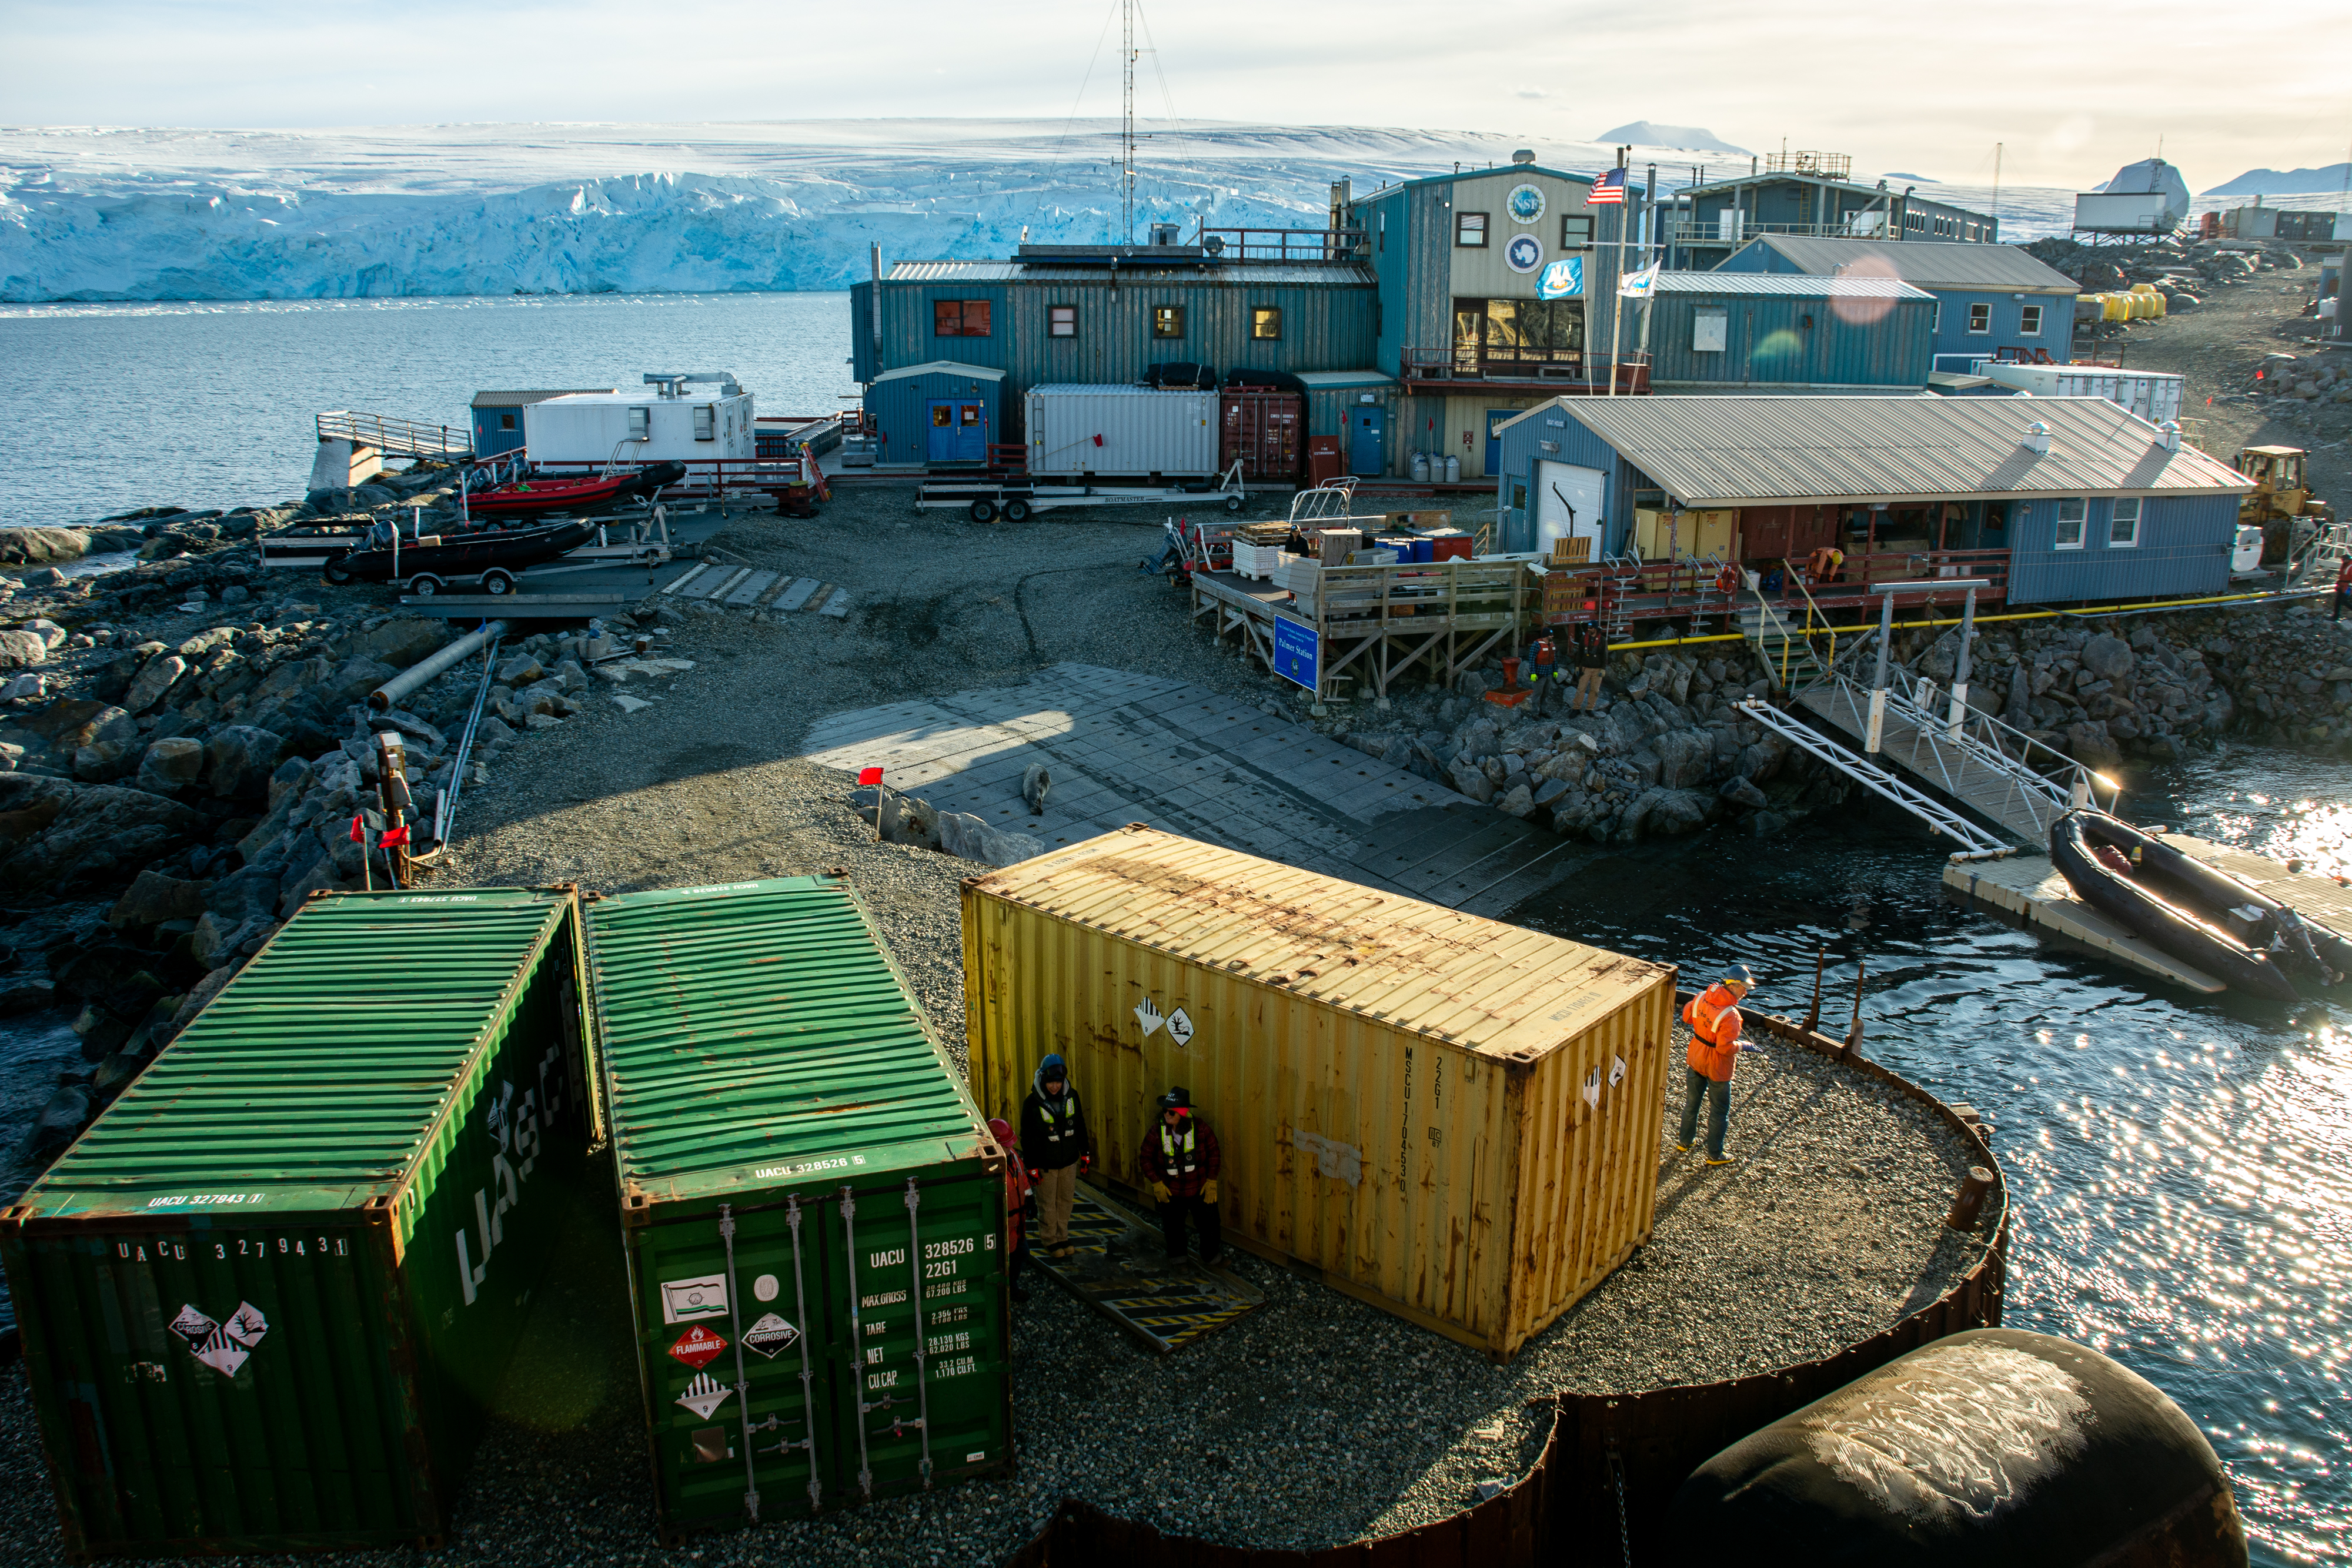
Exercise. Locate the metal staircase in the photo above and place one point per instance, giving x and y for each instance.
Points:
(1976, 842)
(1794, 656)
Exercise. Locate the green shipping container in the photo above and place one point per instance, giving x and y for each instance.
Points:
(814, 1207)
(265, 1294)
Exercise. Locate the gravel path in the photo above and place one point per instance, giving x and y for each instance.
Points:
(1315, 1420)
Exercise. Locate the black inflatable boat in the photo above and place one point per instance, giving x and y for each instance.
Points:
(442, 557)
(2203, 916)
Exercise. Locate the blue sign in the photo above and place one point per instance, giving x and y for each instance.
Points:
(1524, 253)
(1297, 652)
(1562, 279)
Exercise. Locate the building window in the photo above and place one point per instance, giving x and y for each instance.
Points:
(959, 319)
(1168, 320)
(1979, 318)
(1710, 330)
(2123, 526)
(506, 421)
(1265, 322)
(2029, 321)
(2071, 514)
(1576, 234)
(1470, 229)
(1061, 320)
(1518, 495)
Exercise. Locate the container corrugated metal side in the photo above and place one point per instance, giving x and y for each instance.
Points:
(1454, 1119)
(1119, 431)
(813, 1208)
(266, 1295)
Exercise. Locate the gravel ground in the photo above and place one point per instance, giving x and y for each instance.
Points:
(1315, 1420)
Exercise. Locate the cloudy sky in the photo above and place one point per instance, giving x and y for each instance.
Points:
(2073, 89)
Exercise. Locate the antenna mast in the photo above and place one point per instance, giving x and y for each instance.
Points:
(1127, 123)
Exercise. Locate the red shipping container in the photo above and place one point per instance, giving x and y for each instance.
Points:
(1262, 430)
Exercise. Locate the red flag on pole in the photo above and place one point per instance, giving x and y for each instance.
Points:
(359, 833)
(869, 776)
(392, 836)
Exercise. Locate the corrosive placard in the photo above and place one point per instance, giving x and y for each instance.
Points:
(771, 1337)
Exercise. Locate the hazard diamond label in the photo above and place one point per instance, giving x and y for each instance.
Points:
(704, 1395)
(770, 1335)
(697, 1345)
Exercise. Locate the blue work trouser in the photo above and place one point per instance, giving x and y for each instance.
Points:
(1719, 1111)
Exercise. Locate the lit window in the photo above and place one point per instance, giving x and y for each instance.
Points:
(1265, 322)
(1061, 320)
(1575, 233)
(1168, 320)
(1979, 318)
(2029, 321)
(1470, 229)
(959, 319)
(2123, 526)
(2071, 514)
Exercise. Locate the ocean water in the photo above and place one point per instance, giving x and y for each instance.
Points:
(2180, 1166)
(113, 407)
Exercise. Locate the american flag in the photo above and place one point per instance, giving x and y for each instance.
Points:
(1610, 188)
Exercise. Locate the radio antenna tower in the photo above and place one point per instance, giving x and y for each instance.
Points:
(1127, 123)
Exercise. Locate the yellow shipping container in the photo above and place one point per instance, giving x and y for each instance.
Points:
(1452, 1118)
(1657, 534)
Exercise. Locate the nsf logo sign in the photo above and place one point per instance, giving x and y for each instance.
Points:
(1525, 204)
(1524, 253)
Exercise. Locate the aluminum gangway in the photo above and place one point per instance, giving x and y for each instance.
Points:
(393, 436)
(1977, 842)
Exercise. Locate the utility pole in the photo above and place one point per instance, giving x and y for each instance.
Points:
(1127, 123)
(1996, 190)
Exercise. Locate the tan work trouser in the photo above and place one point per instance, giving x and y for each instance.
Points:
(1057, 1191)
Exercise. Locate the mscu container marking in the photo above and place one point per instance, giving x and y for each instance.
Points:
(814, 1209)
(265, 1297)
(1454, 1119)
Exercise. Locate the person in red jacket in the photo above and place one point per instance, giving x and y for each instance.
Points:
(2343, 590)
(1019, 1204)
(1715, 1024)
(1180, 1166)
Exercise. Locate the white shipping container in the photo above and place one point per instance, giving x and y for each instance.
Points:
(2154, 395)
(638, 427)
(1122, 432)
(2126, 213)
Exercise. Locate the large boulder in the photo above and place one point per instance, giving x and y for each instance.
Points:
(67, 1110)
(968, 838)
(100, 832)
(355, 680)
(240, 759)
(148, 687)
(398, 643)
(18, 649)
(21, 546)
(171, 765)
(2107, 656)
(1683, 757)
(2090, 744)
(1678, 811)
(152, 898)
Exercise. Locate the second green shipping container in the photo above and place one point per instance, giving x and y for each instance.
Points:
(267, 1295)
(813, 1208)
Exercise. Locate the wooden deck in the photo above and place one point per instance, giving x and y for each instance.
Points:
(1375, 623)
(1124, 747)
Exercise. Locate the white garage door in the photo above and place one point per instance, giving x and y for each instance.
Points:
(1568, 506)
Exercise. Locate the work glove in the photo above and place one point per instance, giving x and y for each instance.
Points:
(1086, 1164)
(1159, 1191)
(1209, 1190)
(1036, 1176)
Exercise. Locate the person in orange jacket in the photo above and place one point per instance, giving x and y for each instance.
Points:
(1715, 1024)
(1019, 1206)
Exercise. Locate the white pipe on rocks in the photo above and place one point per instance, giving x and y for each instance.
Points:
(383, 699)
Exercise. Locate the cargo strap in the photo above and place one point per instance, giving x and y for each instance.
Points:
(915, 1266)
(856, 1338)
(742, 1377)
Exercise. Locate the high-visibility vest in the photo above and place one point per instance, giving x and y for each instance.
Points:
(1061, 1121)
(1177, 1156)
(1715, 1024)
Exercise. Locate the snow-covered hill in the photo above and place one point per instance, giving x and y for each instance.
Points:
(142, 215)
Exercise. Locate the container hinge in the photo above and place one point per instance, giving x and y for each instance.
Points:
(856, 1335)
(808, 1385)
(922, 1389)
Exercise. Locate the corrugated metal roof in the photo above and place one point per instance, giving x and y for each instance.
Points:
(518, 399)
(302, 1072)
(1929, 264)
(1110, 388)
(941, 367)
(1230, 274)
(1488, 986)
(1733, 450)
(1780, 283)
(1336, 381)
(754, 1033)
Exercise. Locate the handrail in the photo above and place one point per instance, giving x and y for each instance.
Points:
(393, 436)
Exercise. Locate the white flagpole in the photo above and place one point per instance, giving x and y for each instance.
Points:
(1617, 281)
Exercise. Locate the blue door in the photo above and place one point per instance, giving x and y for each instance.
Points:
(1495, 418)
(958, 433)
(1367, 436)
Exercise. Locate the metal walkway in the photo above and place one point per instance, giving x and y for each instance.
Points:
(1999, 772)
(393, 436)
(1976, 842)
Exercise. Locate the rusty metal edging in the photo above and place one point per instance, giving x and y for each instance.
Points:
(1609, 1458)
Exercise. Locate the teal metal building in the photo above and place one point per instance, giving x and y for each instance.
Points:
(1993, 301)
(1759, 331)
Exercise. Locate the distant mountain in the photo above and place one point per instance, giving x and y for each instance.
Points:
(1899, 174)
(1682, 137)
(2327, 182)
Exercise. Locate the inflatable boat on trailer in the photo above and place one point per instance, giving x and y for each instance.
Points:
(2205, 917)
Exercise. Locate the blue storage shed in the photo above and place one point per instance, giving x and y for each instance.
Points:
(498, 417)
(1764, 329)
(943, 413)
(1994, 301)
(2090, 502)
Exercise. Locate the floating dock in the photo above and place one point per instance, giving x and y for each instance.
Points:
(2028, 887)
